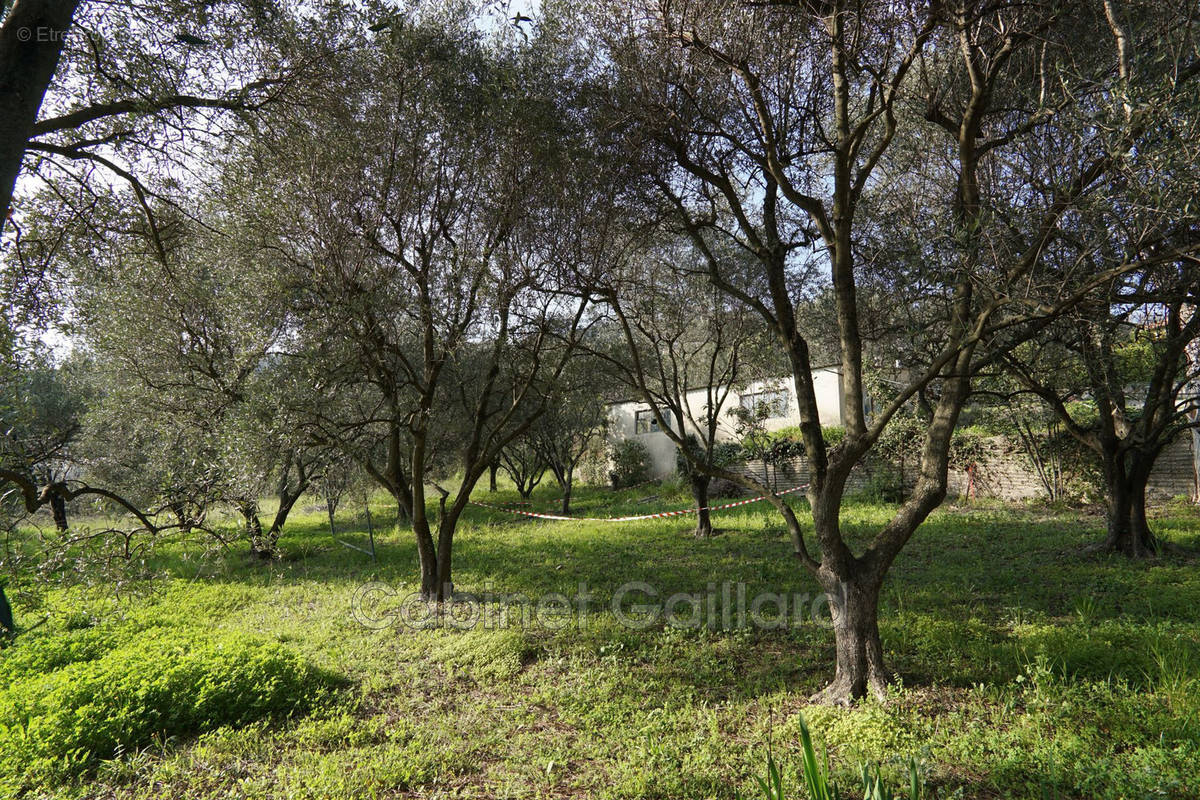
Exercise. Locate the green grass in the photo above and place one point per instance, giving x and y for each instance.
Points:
(1027, 669)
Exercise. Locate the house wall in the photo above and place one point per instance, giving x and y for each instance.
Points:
(623, 416)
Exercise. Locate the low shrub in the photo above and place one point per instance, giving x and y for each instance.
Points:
(781, 446)
(486, 655)
(38, 655)
(833, 434)
(62, 723)
(630, 463)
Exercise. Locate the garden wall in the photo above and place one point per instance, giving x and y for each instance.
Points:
(1005, 473)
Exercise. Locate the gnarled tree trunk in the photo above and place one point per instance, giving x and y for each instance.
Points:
(427, 557)
(704, 528)
(854, 611)
(445, 558)
(404, 503)
(58, 507)
(435, 558)
(259, 546)
(1128, 530)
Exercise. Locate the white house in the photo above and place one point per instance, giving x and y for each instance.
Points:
(633, 419)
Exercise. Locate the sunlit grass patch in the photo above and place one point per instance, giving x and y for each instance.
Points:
(1024, 666)
(59, 720)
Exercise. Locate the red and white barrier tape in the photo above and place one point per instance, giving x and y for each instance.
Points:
(659, 515)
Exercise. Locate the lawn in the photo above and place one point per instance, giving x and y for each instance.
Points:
(1027, 669)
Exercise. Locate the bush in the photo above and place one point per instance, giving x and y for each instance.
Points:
(786, 443)
(60, 724)
(773, 446)
(630, 464)
(883, 484)
(719, 488)
(593, 467)
(833, 434)
(897, 457)
(42, 654)
(722, 454)
(486, 655)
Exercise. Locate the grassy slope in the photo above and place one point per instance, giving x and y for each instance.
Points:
(1023, 665)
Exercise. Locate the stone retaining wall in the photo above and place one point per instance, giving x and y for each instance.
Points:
(1005, 474)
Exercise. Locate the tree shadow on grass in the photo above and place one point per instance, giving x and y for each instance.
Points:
(963, 604)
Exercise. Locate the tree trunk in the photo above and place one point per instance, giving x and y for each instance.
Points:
(1195, 464)
(445, 585)
(1128, 531)
(260, 547)
(7, 626)
(492, 469)
(31, 41)
(279, 521)
(370, 525)
(268, 546)
(852, 583)
(851, 587)
(58, 507)
(286, 502)
(566, 498)
(854, 608)
(700, 484)
(427, 557)
(403, 499)
(180, 510)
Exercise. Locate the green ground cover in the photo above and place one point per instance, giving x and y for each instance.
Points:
(1027, 669)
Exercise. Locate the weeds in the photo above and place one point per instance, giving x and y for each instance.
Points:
(1011, 686)
(815, 779)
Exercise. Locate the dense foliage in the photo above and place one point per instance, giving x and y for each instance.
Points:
(630, 463)
(73, 700)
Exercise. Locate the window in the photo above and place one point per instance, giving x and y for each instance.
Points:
(644, 422)
(765, 405)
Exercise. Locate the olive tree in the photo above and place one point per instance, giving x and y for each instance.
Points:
(912, 146)
(107, 105)
(524, 465)
(1116, 373)
(425, 243)
(192, 379)
(688, 351)
(87, 85)
(575, 418)
(40, 419)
